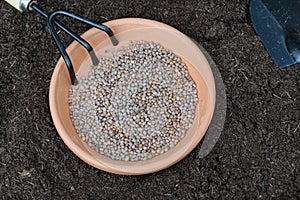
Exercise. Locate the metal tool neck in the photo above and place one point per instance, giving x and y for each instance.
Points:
(25, 5)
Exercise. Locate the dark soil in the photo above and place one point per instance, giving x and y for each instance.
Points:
(257, 156)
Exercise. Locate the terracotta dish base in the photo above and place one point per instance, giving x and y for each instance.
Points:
(126, 30)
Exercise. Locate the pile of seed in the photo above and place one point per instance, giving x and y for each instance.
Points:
(136, 104)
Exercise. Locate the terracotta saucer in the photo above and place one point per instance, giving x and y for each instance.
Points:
(126, 30)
